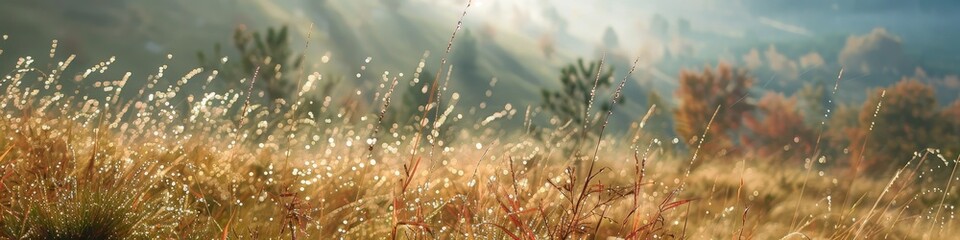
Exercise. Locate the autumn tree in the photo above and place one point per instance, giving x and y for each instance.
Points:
(950, 130)
(700, 93)
(905, 123)
(777, 128)
(952, 112)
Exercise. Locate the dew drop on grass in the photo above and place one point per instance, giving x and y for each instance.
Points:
(471, 183)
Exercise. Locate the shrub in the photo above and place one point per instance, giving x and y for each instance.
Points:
(844, 126)
(413, 100)
(83, 214)
(659, 124)
(700, 93)
(270, 54)
(573, 102)
(905, 123)
(950, 129)
(777, 129)
(814, 101)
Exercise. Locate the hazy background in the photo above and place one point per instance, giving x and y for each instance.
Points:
(523, 43)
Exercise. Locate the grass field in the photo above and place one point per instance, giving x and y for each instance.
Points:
(186, 160)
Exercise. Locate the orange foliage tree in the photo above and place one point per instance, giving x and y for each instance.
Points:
(907, 122)
(951, 128)
(952, 112)
(700, 93)
(777, 128)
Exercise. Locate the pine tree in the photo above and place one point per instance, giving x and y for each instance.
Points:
(571, 102)
(271, 54)
(610, 39)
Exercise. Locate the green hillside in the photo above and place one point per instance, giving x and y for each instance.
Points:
(347, 31)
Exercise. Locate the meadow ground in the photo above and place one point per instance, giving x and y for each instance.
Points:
(227, 165)
(89, 156)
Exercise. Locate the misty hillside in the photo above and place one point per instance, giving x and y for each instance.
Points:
(785, 45)
(141, 34)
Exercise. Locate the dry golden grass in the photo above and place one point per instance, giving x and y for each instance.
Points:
(162, 162)
(75, 166)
